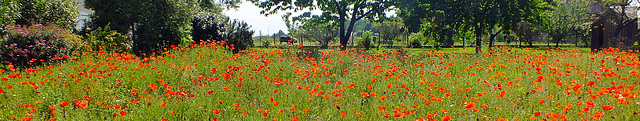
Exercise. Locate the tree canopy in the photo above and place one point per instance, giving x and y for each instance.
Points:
(152, 23)
(333, 10)
(28, 12)
(483, 16)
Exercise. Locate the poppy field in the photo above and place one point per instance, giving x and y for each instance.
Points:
(208, 82)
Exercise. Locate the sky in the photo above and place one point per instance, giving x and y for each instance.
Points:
(251, 14)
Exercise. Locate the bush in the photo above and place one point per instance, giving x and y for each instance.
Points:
(415, 44)
(365, 40)
(9, 12)
(207, 26)
(266, 43)
(34, 45)
(238, 35)
(415, 40)
(105, 39)
(60, 12)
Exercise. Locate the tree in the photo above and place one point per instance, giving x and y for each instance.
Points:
(565, 19)
(412, 13)
(29, 12)
(8, 12)
(321, 29)
(238, 35)
(389, 30)
(151, 27)
(526, 32)
(208, 26)
(335, 10)
(495, 16)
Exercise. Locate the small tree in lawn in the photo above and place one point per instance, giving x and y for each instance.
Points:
(389, 30)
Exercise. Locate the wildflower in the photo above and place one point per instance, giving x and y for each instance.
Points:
(216, 111)
(470, 105)
(64, 104)
(446, 118)
(81, 104)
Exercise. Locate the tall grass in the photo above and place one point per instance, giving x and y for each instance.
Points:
(207, 82)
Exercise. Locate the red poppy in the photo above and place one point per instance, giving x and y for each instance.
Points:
(81, 104)
(470, 105)
(446, 118)
(64, 104)
(607, 107)
(216, 111)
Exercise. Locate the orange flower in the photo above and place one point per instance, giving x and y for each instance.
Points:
(81, 104)
(305, 110)
(446, 118)
(52, 107)
(216, 111)
(163, 104)
(364, 94)
(470, 105)
(63, 104)
(607, 107)
(398, 114)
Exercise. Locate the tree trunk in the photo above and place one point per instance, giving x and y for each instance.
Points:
(464, 39)
(343, 39)
(492, 38)
(350, 30)
(478, 31)
(558, 43)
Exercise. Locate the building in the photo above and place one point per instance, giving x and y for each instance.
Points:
(615, 26)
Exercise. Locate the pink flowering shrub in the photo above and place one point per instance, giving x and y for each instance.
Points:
(37, 44)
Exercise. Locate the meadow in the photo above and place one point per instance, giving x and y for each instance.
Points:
(208, 82)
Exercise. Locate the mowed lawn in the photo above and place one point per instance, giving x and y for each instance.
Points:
(207, 82)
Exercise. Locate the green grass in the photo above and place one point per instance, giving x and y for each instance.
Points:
(209, 82)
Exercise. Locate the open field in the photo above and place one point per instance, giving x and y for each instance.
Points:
(208, 82)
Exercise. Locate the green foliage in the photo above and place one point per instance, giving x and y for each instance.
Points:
(105, 39)
(412, 13)
(389, 30)
(565, 19)
(208, 26)
(416, 40)
(323, 33)
(365, 40)
(31, 12)
(8, 13)
(444, 17)
(35, 45)
(337, 11)
(154, 24)
(238, 35)
(441, 33)
(527, 32)
(266, 43)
